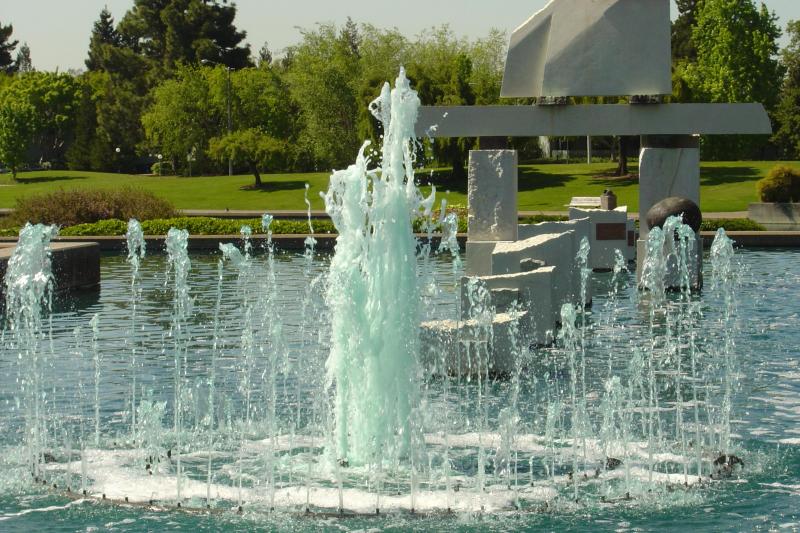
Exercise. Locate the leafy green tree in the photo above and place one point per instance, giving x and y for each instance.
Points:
(190, 109)
(7, 46)
(252, 147)
(736, 62)
(16, 118)
(787, 113)
(185, 31)
(323, 79)
(54, 100)
(182, 117)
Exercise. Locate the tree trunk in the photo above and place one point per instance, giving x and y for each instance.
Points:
(622, 166)
(254, 170)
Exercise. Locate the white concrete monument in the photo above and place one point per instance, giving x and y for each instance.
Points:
(575, 48)
(591, 48)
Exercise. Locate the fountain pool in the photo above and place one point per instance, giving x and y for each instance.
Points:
(764, 425)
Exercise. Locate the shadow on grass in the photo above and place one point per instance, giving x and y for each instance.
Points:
(532, 180)
(274, 186)
(610, 180)
(727, 175)
(21, 180)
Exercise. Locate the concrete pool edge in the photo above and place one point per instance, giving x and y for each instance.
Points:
(746, 239)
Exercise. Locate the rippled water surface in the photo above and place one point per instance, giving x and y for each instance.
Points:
(766, 416)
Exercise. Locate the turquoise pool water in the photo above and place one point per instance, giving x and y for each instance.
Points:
(764, 496)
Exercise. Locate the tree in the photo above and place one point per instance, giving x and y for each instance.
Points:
(682, 28)
(16, 118)
(787, 114)
(103, 34)
(7, 46)
(736, 62)
(182, 117)
(53, 100)
(264, 55)
(252, 147)
(323, 79)
(184, 31)
(189, 110)
(23, 62)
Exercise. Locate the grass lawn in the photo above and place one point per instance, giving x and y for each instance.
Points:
(726, 186)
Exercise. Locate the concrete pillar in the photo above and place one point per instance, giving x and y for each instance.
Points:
(669, 165)
(492, 195)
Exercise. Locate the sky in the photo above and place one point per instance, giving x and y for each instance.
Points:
(58, 31)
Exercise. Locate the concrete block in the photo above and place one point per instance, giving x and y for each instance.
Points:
(608, 233)
(479, 258)
(557, 250)
(469, 348)
(535, 295)
(492, 195)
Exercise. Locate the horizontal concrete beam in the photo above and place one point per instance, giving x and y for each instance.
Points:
(595, 120)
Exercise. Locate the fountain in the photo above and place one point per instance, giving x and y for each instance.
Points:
(250, 408)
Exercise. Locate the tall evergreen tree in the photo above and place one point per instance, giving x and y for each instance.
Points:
(185, 31)
(787, 114)
(23, 62)
(7, 46)
(103, 34)
(682, 27)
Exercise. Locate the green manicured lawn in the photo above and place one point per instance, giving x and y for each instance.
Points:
(726, 186)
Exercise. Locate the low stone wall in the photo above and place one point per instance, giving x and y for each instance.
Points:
(76, 266)
(775, 217)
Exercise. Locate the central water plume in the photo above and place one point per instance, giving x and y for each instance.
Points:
(372, 290)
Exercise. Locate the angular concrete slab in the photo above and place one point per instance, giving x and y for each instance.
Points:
(593, 120)
(591, 48)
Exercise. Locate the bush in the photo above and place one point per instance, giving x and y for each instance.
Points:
(162, 168)
(782, 185)
(731, 224)
(78, 206)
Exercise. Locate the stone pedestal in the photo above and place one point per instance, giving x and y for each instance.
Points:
(669, 165)
(492, 195)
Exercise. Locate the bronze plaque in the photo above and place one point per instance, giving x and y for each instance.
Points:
(612, 232)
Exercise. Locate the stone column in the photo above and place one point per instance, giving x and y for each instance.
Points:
(669, 165)
(492, 197)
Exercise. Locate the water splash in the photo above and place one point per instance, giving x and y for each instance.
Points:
(136, 252)
(28, 288)
(373, 293)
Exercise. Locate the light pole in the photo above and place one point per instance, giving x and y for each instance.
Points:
(228, 90)
(119, 162)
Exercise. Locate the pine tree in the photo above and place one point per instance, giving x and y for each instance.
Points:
(6, 48)
(264, 55)
(185, 31)
(682, 45)
(103, 34)
(23, 62)
(787, 113)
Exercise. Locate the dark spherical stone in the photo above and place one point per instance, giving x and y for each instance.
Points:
(675, 206)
